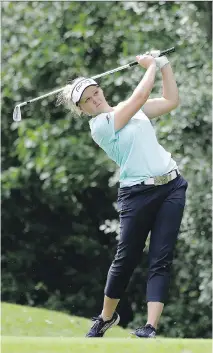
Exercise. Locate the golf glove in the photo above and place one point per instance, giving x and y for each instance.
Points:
(160, 61)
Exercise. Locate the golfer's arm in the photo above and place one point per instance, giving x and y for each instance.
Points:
(170, 98)
(125, 111)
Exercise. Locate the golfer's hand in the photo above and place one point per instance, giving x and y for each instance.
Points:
(154, 53)
(145, 60)
(160, 61)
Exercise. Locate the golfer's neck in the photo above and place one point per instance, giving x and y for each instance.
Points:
(107, 109)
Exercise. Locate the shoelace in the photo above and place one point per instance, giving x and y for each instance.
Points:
(99, 321)
(94, 318)
(145, 327)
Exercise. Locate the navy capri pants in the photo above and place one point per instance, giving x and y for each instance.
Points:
(143, 209)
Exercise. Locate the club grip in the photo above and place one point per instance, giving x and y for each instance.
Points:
(167, 51)
(163, 52)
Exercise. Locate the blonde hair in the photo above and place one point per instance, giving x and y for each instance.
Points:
(64, 97)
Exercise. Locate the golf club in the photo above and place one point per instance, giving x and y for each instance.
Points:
(17, 110)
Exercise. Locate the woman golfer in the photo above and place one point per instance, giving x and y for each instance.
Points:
(151, 197)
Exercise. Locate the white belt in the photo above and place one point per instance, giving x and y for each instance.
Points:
(162, 179)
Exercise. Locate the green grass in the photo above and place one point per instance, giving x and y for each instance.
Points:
(18, 320)
(102, 345)
(33, 330)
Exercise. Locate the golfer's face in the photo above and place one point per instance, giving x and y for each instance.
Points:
(92, 100)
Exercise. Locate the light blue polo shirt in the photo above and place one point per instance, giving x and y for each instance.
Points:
(134, 148)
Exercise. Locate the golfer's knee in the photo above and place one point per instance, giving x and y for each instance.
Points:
(160, 265)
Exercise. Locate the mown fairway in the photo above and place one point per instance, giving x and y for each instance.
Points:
(32, 330)
(106, 345)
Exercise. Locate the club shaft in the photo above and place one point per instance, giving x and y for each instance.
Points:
(43, 96)
(164, 52)
(112, 71)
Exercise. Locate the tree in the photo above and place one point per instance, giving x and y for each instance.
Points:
(58, 187)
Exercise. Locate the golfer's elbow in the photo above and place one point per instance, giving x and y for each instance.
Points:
(173, 101)
(176, 102)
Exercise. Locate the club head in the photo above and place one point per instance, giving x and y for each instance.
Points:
(17, 113)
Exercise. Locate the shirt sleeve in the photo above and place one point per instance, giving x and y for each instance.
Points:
(103, 130)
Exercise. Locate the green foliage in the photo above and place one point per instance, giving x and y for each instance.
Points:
(58, 187)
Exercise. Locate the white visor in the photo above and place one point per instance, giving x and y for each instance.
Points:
(79, 88)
